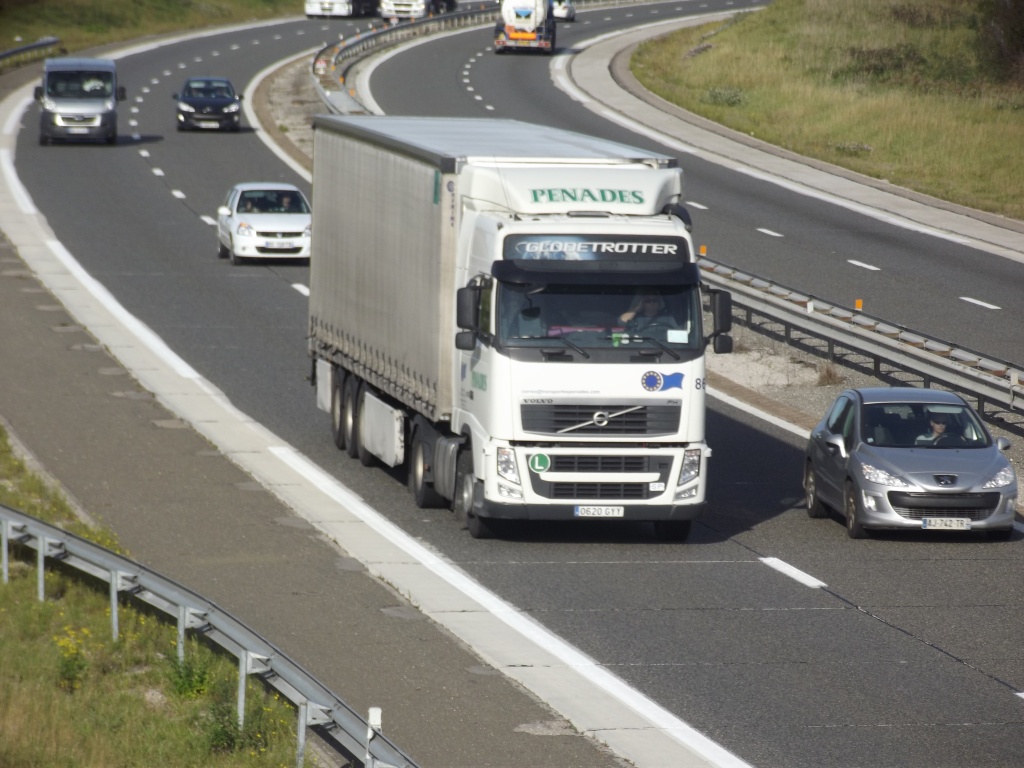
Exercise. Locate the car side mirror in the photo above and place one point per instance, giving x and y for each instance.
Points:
(223, 211)
(1003, 444)
(835, 445)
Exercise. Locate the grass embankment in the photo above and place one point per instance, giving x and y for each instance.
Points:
(901, 90)
(71, 695)
(84, 24)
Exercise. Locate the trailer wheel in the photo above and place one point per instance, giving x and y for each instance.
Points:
(462, 504)
(423, 493)
(350, 428)
(366, 458)
(337, 412)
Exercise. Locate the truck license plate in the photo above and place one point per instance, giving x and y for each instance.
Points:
(582, 511)
(946, 523)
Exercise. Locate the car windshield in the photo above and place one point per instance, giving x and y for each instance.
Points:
(80, 85)
(208, 89)
(599, 316)
(272, 201)
(923, 425)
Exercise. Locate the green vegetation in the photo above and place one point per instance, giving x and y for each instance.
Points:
(83, 24)
(927, 94)
(71, 695)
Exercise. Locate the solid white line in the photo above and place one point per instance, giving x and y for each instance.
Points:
(21, 197)
(793, 573)
(757, 412)
(980, 303)
(141, 331)
(862, 265)
(516, 620)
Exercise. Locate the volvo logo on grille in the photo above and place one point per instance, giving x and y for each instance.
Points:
(601, 418)
(945, 480)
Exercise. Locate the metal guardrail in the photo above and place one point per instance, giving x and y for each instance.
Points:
(990, 381)
(15, 57)
(337, 724)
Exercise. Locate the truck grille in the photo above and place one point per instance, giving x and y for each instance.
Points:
(607, 477)
(915, 506)
(599, 419)
(604, 491)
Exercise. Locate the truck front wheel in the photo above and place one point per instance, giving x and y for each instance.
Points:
(462, 504)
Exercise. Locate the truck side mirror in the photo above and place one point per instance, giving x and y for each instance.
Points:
(465, 340)
(467, 302)
(722, 344)
(37, 94)
(721, 311)
(122, 94)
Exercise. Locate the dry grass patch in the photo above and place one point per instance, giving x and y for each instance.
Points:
(894, 90)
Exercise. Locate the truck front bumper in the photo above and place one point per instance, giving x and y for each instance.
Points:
(636, 513)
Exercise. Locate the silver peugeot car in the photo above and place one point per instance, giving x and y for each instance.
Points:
(906, 458)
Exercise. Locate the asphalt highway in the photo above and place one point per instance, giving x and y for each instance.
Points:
(772, 668)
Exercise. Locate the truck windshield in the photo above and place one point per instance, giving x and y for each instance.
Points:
(599, 316)
(80, 85)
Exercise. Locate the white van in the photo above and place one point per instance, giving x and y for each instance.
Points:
(78, 100)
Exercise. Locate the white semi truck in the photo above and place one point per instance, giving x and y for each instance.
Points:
(415, 9)
(329, 9)
(477, 314)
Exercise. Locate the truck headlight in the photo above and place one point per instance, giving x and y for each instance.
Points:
(691, 466)
(507, 467)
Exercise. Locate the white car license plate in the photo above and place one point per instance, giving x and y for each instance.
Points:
(78, 131)
(282, 244)
(600, 511)
(946, 523)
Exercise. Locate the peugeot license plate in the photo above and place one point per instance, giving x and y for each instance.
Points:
(946, 523)
(582, 511)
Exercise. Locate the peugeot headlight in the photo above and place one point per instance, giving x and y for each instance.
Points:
(1001, 479)
(691, 466)
(183, 107)
(232, 108)
(881, 477)
(507, 467)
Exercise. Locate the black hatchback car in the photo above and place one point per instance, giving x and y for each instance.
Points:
(209, 103)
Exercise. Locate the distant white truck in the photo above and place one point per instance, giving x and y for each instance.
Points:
(525, 24)
(414, 9)
(514, 313)
(340, 8)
